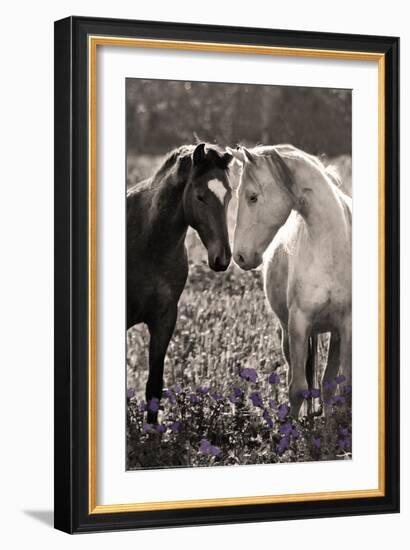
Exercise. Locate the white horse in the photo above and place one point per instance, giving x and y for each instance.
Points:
(290, 206)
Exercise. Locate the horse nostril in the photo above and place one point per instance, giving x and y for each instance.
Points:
(220, 261)
(240, 259)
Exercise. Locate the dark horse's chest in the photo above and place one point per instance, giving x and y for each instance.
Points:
(151, 287)
(156, 270)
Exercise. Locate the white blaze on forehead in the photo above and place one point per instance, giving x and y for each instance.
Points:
(218, 189)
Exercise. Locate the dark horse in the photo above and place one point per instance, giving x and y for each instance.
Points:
(190, 188)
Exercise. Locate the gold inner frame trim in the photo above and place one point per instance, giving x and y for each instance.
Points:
(93, 42)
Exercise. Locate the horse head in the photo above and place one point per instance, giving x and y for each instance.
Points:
(264, 203)
(206, 198)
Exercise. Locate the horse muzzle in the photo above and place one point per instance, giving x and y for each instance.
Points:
(247, 261)
(220, 262)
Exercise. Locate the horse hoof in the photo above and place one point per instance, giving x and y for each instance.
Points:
(318, 411)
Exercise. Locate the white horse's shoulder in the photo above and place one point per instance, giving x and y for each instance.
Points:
(280, 250)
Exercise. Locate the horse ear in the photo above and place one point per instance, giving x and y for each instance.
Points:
(227, 158)
(236, 154)
(248, 154)
(276, 157)
(199, 154)
(283, 169)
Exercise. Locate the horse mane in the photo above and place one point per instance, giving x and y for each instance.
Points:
(330, 172)
(181, 159)
(172, 158)
(333, 174)
(271, 152)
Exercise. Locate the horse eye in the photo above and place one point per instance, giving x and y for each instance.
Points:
(253, 198)
(201, 198)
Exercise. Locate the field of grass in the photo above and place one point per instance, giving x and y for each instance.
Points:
(225, 380)
(225, 399)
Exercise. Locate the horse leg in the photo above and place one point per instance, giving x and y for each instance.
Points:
(311, 370)
(345, 368)
(317, 405)
(299, 328)
(331, 370)
(286, 351)
(285, 344)
(161, 329)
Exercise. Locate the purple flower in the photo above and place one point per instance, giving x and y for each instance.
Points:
(202, 390)
(340, 379)
(286, 429)
(272, 403)
(216, 396)
(283, 412)
(256, 399)
(206, 448)
(283, 445)
(316, 442)
(153, 404)
(339, 399)
(130, 393)
(249, 374)
(142, 406)
(174, 427)
(193, 399)
(273, 378)
(347, 388)
(342, 444)
(344, 431)
(267, 418)
(215, 451)
(170, 395)
(236, 394)
(146, 427)
(177, 389)
(329, 385)
(160, 428)
(305, 394)
(315, 392)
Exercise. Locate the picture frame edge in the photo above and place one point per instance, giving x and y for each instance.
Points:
(71, 497)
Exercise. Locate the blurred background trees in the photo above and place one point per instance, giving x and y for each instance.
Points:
(162, 115)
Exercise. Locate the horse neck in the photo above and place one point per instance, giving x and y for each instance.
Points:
(167, 217)
(320, 205)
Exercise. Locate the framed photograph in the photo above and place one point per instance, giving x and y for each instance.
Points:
(226, 274)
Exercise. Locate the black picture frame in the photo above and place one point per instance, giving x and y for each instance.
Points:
(71, 419)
